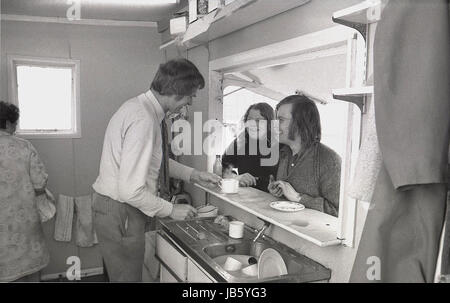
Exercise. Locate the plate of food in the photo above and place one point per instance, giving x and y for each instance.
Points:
(287, 206)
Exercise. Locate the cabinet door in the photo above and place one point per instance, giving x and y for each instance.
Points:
(196, 275)
(166, 276)
(171, 256)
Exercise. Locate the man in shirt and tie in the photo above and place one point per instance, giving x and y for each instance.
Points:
(135, 167)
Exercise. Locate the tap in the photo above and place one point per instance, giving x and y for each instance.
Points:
(261, 231)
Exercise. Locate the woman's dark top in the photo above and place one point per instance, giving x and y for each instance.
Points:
(315, 173)
(238, 156)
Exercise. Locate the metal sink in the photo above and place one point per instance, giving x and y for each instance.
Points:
(242, 248)
(214, 242)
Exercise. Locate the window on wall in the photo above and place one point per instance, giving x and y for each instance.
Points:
(47, 94)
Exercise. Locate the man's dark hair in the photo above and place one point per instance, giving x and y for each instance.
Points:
(179, 77)
(8, 112)
(305, 119)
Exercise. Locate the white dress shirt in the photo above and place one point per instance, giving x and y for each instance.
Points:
(132, 155)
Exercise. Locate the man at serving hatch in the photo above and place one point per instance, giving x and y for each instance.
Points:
(308, 171)
(134, 169)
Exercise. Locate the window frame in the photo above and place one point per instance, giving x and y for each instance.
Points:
(329, 41)
(74, 64)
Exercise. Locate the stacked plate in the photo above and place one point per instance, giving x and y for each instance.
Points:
(208, 211)
(271, 264)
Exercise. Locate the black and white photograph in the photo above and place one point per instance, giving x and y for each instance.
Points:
(222, 150)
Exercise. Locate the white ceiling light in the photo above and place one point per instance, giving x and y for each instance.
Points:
(130, 2)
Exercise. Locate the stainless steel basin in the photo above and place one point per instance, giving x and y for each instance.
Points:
(243, 248)
(296, 264)
(215, 243)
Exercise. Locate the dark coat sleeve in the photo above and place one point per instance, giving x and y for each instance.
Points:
(412, 91)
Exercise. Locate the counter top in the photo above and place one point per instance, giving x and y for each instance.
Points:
(314, 226)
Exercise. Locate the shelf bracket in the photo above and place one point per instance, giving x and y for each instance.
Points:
(361, 28)
(360, 101)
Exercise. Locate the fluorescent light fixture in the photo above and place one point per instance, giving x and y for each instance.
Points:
(130, 2)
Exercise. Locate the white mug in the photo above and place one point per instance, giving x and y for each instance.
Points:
(251, 270)
(236, 229)
(231, 264)
(230, 186)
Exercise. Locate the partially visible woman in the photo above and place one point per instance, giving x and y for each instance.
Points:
(245, 153)
(23, 250)
(308, 172)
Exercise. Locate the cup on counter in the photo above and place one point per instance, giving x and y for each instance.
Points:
(231, 264)
(230, 186)
(236, 229)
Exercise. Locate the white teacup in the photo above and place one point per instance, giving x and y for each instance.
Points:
(231, 264)
(251, 270)
(230, 186)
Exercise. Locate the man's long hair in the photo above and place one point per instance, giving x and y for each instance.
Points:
(305, 119)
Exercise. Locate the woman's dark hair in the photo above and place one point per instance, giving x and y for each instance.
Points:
(266, 111)
(8, 112)
(305, 119)
(179, 77)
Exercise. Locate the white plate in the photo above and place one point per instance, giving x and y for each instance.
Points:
(271, 264)
(287, 206)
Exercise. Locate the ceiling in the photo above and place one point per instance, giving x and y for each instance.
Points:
(126, 10)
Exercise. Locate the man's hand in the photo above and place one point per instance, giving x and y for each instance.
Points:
(273, 188)
(205, 178)
(183, 212)
(246, 180)
(288, 191)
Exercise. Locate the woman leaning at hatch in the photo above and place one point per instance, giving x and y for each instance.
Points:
(23, 251)
(239, 154)
(308, 171)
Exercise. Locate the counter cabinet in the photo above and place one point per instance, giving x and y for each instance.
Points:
(176, 265)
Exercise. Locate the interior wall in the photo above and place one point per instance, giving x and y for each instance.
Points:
(308, 18)
(117, 63)
(312, 17)
(199, 56)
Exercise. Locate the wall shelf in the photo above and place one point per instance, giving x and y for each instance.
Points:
(356, 95)
(202, 24)
(359, 16)
(232, 17)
